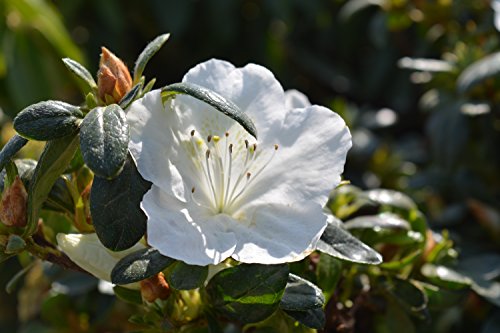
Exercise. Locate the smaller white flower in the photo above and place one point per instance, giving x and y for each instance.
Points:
(87, 251)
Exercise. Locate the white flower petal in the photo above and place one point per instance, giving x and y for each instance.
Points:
(172, 231)
(87, 251)
(154, 145)
(277, 234)
(253, 88)
(313, 144)
(294, 99)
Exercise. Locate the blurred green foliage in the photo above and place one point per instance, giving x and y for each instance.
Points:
(412, 79)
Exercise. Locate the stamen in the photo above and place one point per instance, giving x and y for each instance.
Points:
(249, 181)
(210, 180)
(217, 170)
(226, 197)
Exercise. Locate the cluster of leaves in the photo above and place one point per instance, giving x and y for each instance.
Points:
(87, 150)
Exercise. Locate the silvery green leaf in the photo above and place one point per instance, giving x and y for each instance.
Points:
(76, 68)
(148, 52)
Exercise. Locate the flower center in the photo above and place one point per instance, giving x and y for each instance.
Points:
(226, 170)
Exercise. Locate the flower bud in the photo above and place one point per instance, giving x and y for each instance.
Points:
(155, 287)
(113, 78)
(87, 251)
(13, 204)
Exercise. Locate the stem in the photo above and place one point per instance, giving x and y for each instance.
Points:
(39, 247)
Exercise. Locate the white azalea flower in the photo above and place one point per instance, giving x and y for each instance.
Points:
(219, 193)
(87, 251)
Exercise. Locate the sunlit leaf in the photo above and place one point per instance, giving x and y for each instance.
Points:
(479, 71)
(139, 265)
(48, 120)
(339, 243)
(10, 149)
(301, 295)
(148, 52)
(104, 137)
(249, 292)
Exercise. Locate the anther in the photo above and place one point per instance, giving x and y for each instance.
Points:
(192, 132)
(248, 175)
(276, 147)
(216, 138)
(230, 148)
(192, 190)
(209, 138)
(208, 153)
(254, 147)
(227, 134)
(246, 144)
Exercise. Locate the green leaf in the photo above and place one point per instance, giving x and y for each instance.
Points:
(249, 292)
(130, 96)
(128, 295)
(381, 221)
(479, 71)
(408, 293)
(60, 198)
(182, 276)
(328, 273)
(301, 295)
(396, 265)
(148, 52)
(490, 290)
(485, 266)
(53, 161)
(148, 87)
(213, 99)
(118, 219)
(391, 198)
(10, 149)
(445, 277)
(313, 318)
(104, 138)
(339, 243)
(48, 120)
(139, 265)
(441, 298)
(79, 70)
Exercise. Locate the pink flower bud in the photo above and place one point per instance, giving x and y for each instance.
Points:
(155, 287)
(113, 77)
